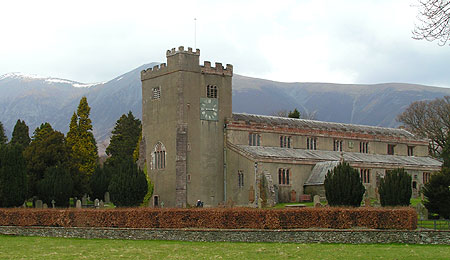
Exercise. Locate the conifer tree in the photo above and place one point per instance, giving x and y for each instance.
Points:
(56, 185)
(3, 139)
(343, 186)
(128, 184)
(294, 114)
(47, 149)
(81, 141)
(395, 188)
(437, 193)
(21, 134)
(125, 137)
(13, 176)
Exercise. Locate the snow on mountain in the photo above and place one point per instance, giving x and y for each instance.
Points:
(27, 77)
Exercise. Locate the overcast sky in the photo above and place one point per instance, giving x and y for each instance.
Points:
(306, 41)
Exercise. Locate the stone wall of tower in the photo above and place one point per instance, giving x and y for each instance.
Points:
(194, 147)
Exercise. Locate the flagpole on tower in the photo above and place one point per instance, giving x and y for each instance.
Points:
(195, 33)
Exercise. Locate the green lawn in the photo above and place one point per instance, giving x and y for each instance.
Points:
(64, 248)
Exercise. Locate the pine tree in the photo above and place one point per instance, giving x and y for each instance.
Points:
(21, 134)
(13, 176)
(47, 149)
(81, 141)
(395, 188)
(294, 114)
(125, 137)
(3, 139)
(343, 186)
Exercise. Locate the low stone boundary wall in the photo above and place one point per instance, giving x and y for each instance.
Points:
(241, 235)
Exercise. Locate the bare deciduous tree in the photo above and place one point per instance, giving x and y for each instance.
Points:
(429, 119)
(434, 21)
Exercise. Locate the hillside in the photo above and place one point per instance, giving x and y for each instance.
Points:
(39, 99)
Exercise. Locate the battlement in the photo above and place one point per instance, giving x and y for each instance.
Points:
(186, 60)
(174, 51)
(155, 71)
(217, 70)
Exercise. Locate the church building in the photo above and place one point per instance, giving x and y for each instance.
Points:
(198, 149)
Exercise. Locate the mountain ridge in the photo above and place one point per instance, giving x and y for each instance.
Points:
(36, 100)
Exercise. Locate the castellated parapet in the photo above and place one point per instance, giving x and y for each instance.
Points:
(185, 60)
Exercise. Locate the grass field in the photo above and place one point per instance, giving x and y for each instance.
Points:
(12, 247)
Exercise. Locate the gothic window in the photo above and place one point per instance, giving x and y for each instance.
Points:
(159, 156)
(410, 150)
(363, 147)
(390, 149)
(311, 143)
(285, 141)
(240, 179)
(284, 176)
(211, 91)
(156, 93)
(364, 174)
(254, 139)
(426, 177)
(337, 145)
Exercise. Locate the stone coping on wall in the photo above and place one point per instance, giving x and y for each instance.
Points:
(346, 236)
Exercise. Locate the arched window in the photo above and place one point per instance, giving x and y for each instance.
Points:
(159, 156)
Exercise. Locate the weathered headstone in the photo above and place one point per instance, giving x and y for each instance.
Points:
(251, 195)
(101, 204)
(293, 196)
(107, 198)
(38, 204)
(78, 204)
(45, 206)
(316, 200)
(96, 203)
(84, 200)
(53, 203)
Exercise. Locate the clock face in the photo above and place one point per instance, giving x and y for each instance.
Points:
(209, 109)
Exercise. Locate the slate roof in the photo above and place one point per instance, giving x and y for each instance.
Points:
(319, 171)
(320, 125)
(262, 152)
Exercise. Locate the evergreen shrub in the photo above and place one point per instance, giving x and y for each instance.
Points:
(343, 186)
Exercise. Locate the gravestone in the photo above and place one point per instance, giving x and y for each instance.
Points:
(53, 203)
(101, 204)
(293, 196)
(38, 204)
(422, 211)
(316, 200)
(45, 206)
(107, 198)
(96, 203)
(78, 204)
(84, 200)
(251, 195)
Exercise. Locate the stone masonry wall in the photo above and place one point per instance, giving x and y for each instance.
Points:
(214, 235)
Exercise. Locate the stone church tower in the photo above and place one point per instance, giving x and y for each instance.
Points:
(184, 107)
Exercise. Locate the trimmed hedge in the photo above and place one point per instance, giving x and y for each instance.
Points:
(236, 218)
